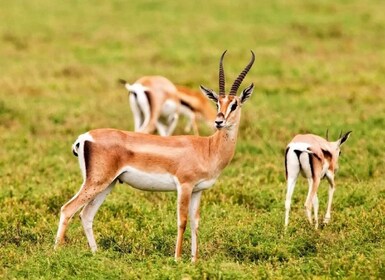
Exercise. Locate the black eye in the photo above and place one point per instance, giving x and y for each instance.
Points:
(234, 106)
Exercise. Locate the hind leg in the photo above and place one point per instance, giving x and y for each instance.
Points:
(67, 211)
(86, 193)
(292, 169)
(88, 213)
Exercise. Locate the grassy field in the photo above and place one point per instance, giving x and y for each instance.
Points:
(319, 65)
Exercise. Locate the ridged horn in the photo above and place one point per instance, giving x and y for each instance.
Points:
(241, 76)
(222, 75)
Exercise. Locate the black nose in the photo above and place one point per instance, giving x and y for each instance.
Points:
(218, 122)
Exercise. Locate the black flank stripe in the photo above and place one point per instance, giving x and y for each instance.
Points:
(184, 103)
(87, 154)
(287, 150)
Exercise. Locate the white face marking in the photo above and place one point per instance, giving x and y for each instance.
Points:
(229, 108)
(147, 181)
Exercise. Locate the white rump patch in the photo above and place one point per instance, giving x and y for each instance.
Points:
(137, 88)
(301, 146)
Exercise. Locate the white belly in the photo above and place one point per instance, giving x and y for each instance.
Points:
(161, 182)
(169, 108)
(148, 181)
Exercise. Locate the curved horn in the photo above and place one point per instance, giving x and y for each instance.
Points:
(327, 134)
(222, 75)
(241, 76)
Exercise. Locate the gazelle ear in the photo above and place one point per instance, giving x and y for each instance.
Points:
(209, 93)
(246, 93)
(344, 138)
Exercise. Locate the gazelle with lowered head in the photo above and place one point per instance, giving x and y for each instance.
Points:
(155, 97)
(154, 163)
(316, 158)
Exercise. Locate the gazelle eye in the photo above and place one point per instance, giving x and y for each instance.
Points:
(234, 106)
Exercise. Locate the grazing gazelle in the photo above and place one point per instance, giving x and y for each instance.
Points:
(155, 97)
(186, 164)
(195, 106)
(316, 158)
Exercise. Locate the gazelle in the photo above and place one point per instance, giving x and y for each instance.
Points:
(195, 106)
(150, 98)
(154, 97)
(154, 163)
(316, 158)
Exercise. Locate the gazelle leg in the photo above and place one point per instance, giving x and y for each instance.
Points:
(88, 213)
(68, 210)
(330, 178)
(194, 223)
(136, 111)
(161, 128)
(315, 209)
(184, 197)
(292, 171)
(308, 202)
(289, 193)
(172, 122)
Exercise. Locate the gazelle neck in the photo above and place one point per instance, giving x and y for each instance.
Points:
(222, 145)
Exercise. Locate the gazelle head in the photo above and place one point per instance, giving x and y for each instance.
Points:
(336, 146)
(228, 105)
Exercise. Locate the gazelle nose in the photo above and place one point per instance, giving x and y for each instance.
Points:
(218, 122)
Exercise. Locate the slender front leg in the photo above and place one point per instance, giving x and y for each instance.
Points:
(88, 213)
(184, 197)
(330, 178)
(172, 122)
(194, 223)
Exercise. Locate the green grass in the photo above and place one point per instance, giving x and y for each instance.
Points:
(320, 64)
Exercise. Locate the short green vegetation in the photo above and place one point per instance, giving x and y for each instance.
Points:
(319, 65)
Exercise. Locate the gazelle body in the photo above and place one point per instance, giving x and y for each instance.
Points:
(155, 163)
(315, 158)
(155, 97)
